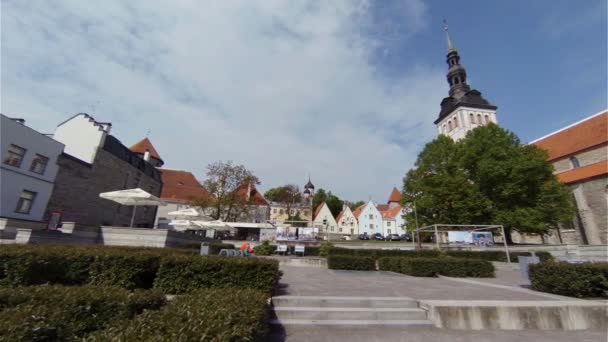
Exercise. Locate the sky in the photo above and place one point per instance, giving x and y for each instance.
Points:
(343, 91)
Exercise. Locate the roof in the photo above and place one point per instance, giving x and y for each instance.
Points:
(391, 213)
(357, 212)
(584, 172)
(382, 207)
(395, 196)
(582, 135)
(471, 98)
(340, 215)
(145, 145)
(182, 186)
(255, 197)
(102, 126)
(318, 210)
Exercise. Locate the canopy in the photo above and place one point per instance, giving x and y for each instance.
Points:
(190, 212)
(217, 225)
(132, 197)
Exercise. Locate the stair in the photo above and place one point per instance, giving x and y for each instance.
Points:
(347, 311)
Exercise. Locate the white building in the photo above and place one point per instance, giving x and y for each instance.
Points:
(464, 109)
(347, 222)
(28, 170)
(369, 219)
(393, 221)
(324, 220)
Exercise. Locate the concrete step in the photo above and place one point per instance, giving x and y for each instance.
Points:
(346, 322)
(331, 314)
(344, 302)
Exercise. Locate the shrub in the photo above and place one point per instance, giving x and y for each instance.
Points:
(431, 267)
(124, 270)
(265, 248)
(205, 315)
(575, 280)
(379, 253)
(345, 262)
(50, 313)
(325, 249)
(181, 274)
(314, 251)
(497, 255)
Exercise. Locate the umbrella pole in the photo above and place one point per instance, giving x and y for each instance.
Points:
(133, 216)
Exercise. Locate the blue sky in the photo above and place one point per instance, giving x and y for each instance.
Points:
(345, 91)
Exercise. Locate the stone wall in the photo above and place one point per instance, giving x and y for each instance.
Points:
(78, 185)
(591, 200)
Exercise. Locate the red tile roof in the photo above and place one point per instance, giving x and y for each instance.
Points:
(585, 134)
(340, 216)
(318, 210)
(395, 196)
(181, 186)
(382, 207)
(255, 197)
(391, 212)
(584, 172)
(358, 211)
(145, 145)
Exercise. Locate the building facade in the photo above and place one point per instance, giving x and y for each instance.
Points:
(464, 109)
(392, 212)
(369, 219)
(579, 154)
(94, 161)
(28, 170)
(324, 220)
(347, 222)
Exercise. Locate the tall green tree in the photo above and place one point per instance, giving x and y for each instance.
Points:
(333, 202)
(488, 177)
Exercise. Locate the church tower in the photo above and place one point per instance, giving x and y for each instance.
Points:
(464, 109)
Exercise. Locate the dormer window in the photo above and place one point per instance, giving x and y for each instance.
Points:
(574, 162)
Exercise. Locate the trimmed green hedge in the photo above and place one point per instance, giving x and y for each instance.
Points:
(132, 268)
(575, 280)
(432, 267)
(180, 274)
(265, 249)
(52, 313)
(205, 315)
(346, 262)
(430, 253)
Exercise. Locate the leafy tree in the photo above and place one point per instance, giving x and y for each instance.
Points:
(488, 177)
(333, 202)
(228, 183)
(354, 205)
(288, 195)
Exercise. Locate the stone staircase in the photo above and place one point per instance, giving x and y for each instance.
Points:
(347, 311)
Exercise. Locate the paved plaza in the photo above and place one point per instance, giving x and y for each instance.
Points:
(317, 281)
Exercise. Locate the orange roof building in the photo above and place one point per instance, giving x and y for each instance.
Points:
(181, 186)
(146, 150)
(579, 154)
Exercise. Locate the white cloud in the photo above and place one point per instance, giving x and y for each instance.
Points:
(285, 87)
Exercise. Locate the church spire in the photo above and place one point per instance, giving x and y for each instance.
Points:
(457, 75)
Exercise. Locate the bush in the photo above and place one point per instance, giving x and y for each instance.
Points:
(379, 253)
(432, 267)
(345, 262)
(265, 248)
(575, 280)
(497, 255)
(325, 249)
(124, 270)
(315, 251)
(181, 274)
(205, 315)
(50, 313)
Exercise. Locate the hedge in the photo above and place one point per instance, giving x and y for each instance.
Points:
(132, 268)
(432, 267)
(268, 249)
(180, 274)
(51, 313)
(575, 280)
(429, 253)
(345, 262)
(205, 315)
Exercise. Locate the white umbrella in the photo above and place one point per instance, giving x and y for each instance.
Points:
(189, 212)
(132, 197)
(215, 225)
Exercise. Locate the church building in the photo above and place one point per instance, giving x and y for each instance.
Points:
(464, 109)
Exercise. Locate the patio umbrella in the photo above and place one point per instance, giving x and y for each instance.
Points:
(217, 225)
(132, 197)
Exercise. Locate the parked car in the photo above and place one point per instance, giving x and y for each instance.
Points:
(405, 237)
(363, 237)
(377, 236)
(346, 237)
(393, 237)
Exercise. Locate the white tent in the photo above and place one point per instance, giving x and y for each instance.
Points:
(132, 197)
(185, 219)
(217, 225)
(188, 212)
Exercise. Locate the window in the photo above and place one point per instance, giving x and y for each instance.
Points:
(39, 164)
(455, 122)
(24, 205)
(388, 231)
(450, 125)
(472, 118)
(487, 119)
(274, 211)
(388, 223)
(281, 211)
(371, 226)
(574, 162)
(479, 122)
(324, 222)
(340, 230)
(14, 156)
(371, 216)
